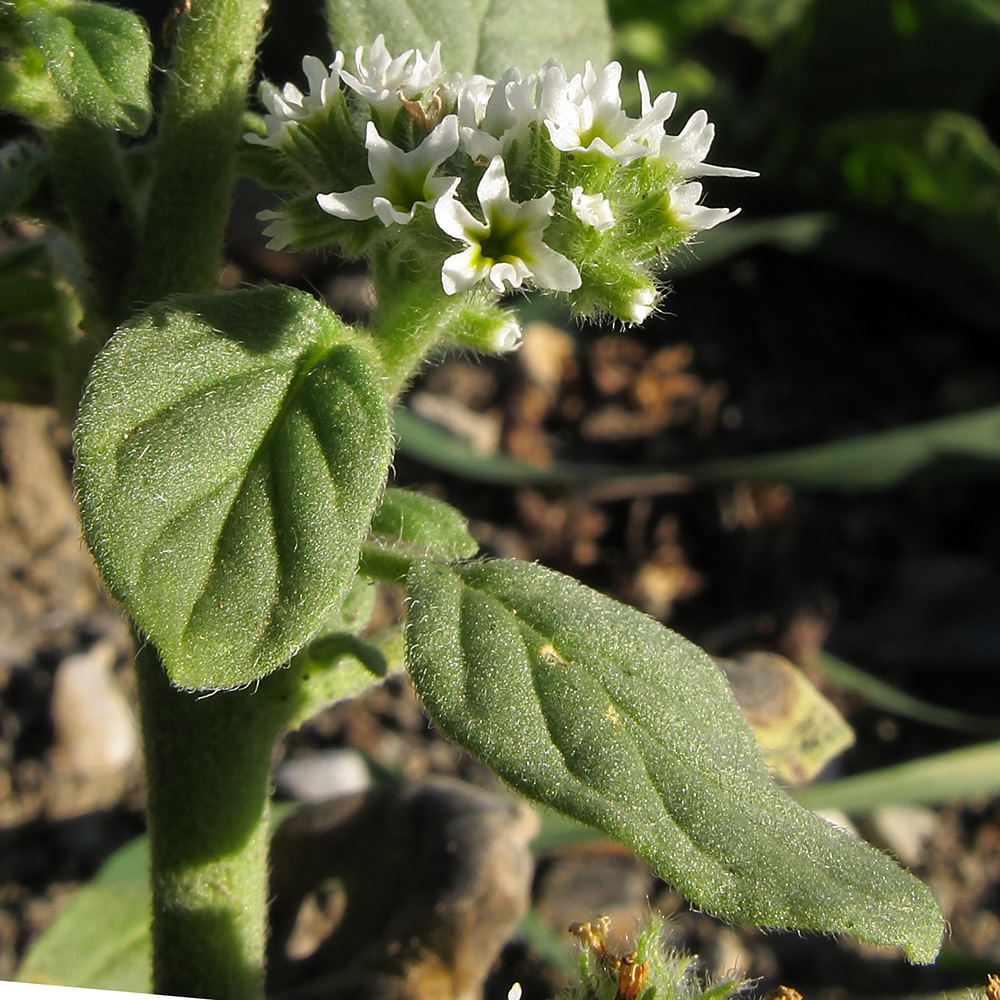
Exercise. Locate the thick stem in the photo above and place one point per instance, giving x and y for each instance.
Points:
(208, 763)
(185, 223)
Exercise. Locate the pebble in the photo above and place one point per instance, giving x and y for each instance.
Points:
(905, 830)
(322, 775)
(96, 733)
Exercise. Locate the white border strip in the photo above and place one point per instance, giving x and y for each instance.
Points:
(31, 991)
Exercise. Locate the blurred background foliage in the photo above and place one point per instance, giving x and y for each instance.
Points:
(884, 111)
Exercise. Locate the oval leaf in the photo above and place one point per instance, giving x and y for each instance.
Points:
(597, 710)
(230, 452)
(98, 58)
(479, 36)
(417, 521)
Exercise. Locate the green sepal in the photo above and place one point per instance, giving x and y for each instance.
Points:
(591, 707)
(230, 452)
(98, 59)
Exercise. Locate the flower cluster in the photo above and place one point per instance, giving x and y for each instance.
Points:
(541, 180)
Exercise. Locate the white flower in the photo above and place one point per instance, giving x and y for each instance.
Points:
(592, 209)
(290, 105)
(507, 249)
(472, 94)
(687, 211)
(281, 231)
(490, 122)
(382, 81)
(689, 149)
(514, 993)
(585, 115)
(402, 180)
(640, 306)
(507, 337)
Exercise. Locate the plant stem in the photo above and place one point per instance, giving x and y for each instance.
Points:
(208, 766)
(213, 56)
(208, 762)
(415, 318)
(207, 759)
(89, 174)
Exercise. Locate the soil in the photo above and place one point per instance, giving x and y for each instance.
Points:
(761, 352)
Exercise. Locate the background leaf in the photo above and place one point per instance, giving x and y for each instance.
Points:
(964, 444)
(882, 695)
(798, 731)
(592, 708)
(98, 57)
(101, 940)
(937, 170)
(479, 36)
(231, 450)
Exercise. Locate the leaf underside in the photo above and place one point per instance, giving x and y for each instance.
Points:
(594, 709)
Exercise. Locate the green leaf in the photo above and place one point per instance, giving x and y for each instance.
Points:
(967, 444)
(594, 709)
(416, 521)
(25, 169)
(969, 773)
(39, 320)
(230, 452)
(479, 36)
(101, 941)
(439, 449)
(98, 57)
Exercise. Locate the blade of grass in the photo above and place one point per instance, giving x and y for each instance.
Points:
(964, 444)
(423, 440)
(891, 699)
(947, 777)
(969, 443)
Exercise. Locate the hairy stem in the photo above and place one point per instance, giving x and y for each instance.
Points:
(208, 762)
(208, 766)
(208, 759)
(213, 56)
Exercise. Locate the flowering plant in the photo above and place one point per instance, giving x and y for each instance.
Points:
(545, 179)
(233, 448)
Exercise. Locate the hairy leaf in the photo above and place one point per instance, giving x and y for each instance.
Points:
(98, 57)
(417, 521)
(479, 36)
(602, 713)
(231, 450)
